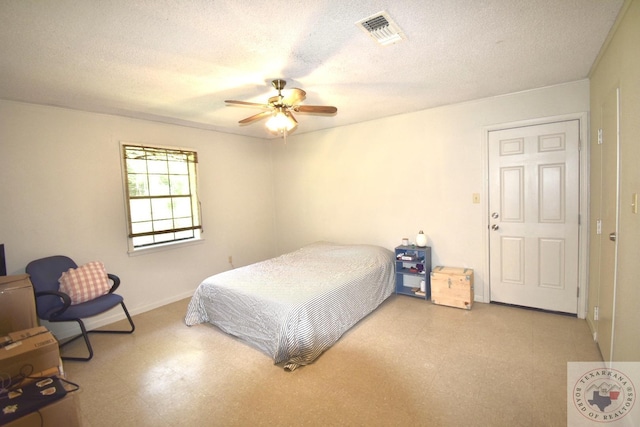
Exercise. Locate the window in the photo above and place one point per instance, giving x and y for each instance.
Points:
(161, 193)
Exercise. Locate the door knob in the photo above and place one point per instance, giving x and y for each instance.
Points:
(612, 237)
(494, 227)
(495, 215)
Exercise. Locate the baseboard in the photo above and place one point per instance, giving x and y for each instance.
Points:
(592, 328)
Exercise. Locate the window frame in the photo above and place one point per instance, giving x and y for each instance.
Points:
(195, 208)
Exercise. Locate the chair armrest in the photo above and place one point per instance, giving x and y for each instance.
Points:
(66, 300)
(116, 282)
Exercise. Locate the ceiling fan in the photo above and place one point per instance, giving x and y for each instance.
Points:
(280, 109)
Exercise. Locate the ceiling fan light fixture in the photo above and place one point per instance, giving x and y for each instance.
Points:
(280, 122)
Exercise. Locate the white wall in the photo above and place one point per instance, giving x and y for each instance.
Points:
(62, 193)
(379, 181)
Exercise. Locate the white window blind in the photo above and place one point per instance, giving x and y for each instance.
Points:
(162, 197)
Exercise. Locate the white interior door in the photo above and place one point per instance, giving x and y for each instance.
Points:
(534, 202)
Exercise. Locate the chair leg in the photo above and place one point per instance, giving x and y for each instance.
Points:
(129, 331)
(85, 335)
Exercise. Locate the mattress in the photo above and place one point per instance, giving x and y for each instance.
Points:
(295, 306)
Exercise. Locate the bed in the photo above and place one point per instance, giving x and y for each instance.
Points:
(295, 306)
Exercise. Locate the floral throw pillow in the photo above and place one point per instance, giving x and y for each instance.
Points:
(87, 282)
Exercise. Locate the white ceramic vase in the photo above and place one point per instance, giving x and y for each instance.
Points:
(421, 239)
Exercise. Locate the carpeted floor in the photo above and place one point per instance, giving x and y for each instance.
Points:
(409, 363)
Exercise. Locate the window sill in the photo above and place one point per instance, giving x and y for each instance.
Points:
(164, 247)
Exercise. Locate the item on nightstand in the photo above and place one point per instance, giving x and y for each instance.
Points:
(452, 286)
(405, 241)
(421, 239)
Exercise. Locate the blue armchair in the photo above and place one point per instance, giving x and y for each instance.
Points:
(55, 306)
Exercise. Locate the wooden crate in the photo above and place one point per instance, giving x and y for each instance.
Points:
(452, 286)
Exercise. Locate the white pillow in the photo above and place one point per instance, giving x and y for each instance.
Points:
(87, 282)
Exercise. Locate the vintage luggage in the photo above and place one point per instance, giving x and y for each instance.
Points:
(452, 286)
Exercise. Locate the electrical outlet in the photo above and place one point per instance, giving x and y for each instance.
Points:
(476, 197)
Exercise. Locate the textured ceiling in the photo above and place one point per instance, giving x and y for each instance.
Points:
(176, 61)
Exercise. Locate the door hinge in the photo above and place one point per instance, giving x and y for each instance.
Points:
(595, 313)
(598, 226)
(578, 293)
(599, 136)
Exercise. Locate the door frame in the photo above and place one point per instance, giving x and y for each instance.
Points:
(583, 245)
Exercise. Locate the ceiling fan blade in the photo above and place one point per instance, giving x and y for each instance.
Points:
(294, 97)
(292, 117)
(319, 109)
(255, 117)
(251, 104)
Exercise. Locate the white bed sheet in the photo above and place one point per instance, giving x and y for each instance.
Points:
(295, 306)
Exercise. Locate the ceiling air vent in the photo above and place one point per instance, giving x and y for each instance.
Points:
(381, 28)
